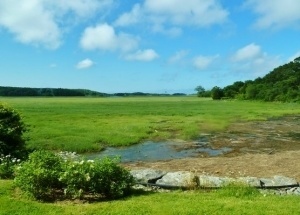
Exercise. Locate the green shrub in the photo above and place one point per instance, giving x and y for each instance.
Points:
(11, 132)
(45, 175)
(38, 176)
(100, 177)
(7, 166)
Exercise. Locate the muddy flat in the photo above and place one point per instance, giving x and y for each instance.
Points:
(258, 149)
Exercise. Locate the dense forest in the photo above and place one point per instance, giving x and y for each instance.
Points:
(281, 84)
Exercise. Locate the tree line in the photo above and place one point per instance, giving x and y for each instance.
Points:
(49, 92)
(281, 84)
(26, 91)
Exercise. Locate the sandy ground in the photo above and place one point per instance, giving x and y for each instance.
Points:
(260, 149)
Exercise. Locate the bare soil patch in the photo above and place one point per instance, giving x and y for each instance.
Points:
(259, 148)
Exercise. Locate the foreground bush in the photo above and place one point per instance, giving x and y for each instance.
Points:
(99, 177)
(39, 175)
(7, 165)
(47, 175)
(11, 132)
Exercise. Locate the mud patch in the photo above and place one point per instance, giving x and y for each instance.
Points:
(259, 149)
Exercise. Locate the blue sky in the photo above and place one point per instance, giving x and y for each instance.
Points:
(144, 46)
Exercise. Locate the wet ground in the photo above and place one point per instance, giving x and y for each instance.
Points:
(257, 148)
(273, 135)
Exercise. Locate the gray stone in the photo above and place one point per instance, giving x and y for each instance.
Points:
(278, 181)
(250, 181)
(213, 181)
(297, 191)
(147, 175)
(179, 179)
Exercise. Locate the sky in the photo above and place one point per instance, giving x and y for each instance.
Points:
(152, 46)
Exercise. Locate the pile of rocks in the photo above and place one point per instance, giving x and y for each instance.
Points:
(187, 180)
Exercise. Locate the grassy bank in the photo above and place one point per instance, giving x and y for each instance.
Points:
(87, 124)
(177, 202)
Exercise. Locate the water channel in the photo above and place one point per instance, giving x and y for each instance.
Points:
(160, 151)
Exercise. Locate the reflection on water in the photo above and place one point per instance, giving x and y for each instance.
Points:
(158, 151)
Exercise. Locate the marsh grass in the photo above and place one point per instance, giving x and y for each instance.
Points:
(177, 202)
(89, 124)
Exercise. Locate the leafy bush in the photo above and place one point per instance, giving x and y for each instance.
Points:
(38, 176)
(11, 131)
(7, 165)
(45, 175)
(99, 177)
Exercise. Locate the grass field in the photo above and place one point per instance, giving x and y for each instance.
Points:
(89, 124)
(236, 201)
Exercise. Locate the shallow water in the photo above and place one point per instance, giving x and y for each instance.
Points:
(159, 151)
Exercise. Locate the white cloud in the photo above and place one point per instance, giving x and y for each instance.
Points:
(142, 55)
(178, 56)
(41, 22)
(248, 52)
(175, 14)
(188, 12)
(275, 13)
(132, 17)
(202, 62)
(253, 61)
(105, 38)
(85, 64)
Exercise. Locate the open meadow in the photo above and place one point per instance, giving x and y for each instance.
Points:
(89, 124)
(224, 201)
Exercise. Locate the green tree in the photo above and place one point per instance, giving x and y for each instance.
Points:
(11, 132)
(200, 91)
(216, 93)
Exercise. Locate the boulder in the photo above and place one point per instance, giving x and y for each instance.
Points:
(213, 181)
(250, 181)
(147, 175)
(278, 181)
(182, 179)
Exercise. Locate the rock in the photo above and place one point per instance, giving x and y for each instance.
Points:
(147, 175)
(296, 191)
(213, 181)
(278, 181)
(251, 181)
(179, 179)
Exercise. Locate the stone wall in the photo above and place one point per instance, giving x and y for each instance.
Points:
(188, 180)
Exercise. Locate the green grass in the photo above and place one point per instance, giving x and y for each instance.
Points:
(177, 202)
(88, 124)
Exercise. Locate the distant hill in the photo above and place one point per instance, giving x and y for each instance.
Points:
(281, 84)
(25, 91)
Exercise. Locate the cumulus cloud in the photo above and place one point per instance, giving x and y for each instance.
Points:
(142, 55)
(252, 60)
(85, 64)
(248, 52)
(132, 17)
(104, 37)
(41, 22)
(275, 13)
(202, 62)
(174, 13)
